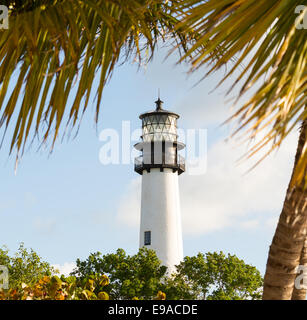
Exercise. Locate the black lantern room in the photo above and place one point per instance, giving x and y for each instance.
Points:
(159, 145)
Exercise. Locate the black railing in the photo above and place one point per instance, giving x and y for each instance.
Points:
(177, 165)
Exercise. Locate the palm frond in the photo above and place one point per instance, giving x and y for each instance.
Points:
(265, 30)
(56, 46)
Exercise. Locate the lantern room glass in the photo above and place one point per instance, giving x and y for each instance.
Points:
(158, 127)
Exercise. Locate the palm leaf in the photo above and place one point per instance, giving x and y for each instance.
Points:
(266, 31)
(56, 48)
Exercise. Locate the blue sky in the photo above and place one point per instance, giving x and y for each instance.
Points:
(66, 205)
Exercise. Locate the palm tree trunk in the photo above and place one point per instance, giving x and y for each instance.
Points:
(288, 242)
(300, 294)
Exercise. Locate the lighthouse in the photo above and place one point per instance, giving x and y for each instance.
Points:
(160, 165)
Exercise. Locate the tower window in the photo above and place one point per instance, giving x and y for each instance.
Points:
(147, 238)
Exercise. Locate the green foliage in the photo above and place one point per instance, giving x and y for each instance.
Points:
(191, 280)
(26, 266)
(139, 275)
(231, 278)
(55, 288)
(212, 276)
(30, 278)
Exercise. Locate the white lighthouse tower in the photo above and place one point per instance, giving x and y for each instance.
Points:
(160, 164)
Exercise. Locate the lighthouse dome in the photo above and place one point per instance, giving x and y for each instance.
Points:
(159, 124)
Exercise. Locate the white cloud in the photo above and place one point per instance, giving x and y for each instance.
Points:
(202, 114)
(224, 196)
(30, 200)
(65, 268)
(130, 204)
(44, 225)
(249, 224)
(6, 205)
